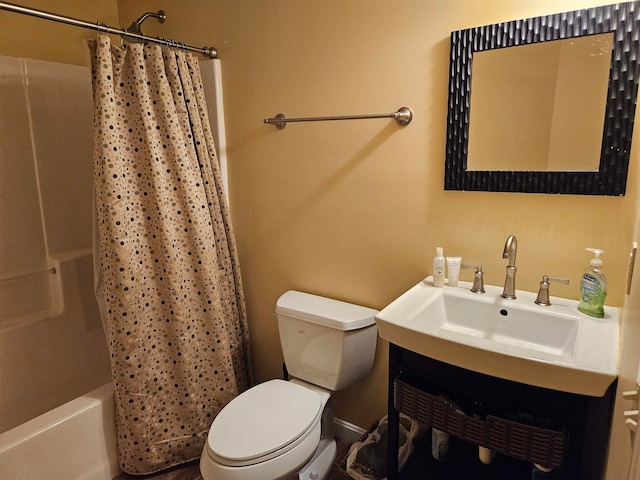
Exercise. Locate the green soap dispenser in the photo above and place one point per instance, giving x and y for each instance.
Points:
(593, 287)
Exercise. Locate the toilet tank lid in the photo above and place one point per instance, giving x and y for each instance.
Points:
(325, 311)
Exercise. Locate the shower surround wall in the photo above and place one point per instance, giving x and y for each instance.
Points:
(52, 345)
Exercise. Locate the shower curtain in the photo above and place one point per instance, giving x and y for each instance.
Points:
(170, 287)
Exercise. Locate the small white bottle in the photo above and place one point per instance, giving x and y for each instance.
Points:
(439, 444)
(438, 268)
(538, 472)
(486, 455)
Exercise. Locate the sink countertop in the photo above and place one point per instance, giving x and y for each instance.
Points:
(587, 367)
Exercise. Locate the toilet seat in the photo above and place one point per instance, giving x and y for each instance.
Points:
(264, 422)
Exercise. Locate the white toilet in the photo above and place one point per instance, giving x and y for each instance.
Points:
(274, 430)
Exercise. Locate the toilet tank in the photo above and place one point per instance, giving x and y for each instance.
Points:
(326, 342)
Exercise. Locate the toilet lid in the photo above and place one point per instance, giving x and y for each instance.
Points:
(262, 420)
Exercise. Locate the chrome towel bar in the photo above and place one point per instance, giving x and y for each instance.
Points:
(403, 116)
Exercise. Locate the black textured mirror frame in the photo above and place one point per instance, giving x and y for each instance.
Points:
(611, 179)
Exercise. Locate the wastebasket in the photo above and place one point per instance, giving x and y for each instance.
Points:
(367, 460)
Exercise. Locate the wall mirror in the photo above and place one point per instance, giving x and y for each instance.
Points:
(553, 103)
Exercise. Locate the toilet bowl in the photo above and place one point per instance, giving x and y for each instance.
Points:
(268, 432)
(274, 430)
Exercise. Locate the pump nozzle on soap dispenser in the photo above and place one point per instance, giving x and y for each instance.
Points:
(595, 261)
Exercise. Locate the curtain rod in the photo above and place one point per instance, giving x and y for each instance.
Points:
(403, 116)
(208, 52)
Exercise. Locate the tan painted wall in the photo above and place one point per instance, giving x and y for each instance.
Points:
(354, 210)
(29, 37)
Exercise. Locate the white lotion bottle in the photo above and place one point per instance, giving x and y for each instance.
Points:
(438, 268)
(453, 270)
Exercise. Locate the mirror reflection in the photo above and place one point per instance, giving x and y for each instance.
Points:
(540, 107)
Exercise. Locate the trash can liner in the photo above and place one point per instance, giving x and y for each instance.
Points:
(367, 460)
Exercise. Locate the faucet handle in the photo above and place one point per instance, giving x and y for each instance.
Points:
(478, 280)
(543, 293)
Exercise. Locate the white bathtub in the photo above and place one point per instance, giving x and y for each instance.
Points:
(75, 441)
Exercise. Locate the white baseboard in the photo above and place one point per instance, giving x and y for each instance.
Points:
(347, 432)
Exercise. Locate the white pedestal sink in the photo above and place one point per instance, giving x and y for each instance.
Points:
(555, 347)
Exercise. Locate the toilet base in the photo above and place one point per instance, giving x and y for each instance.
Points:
(319, 466)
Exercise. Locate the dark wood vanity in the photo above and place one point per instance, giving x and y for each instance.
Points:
(533, 424)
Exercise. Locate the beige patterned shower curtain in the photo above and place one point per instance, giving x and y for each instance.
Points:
(170, 291)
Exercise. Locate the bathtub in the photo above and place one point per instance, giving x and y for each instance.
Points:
(75, 441)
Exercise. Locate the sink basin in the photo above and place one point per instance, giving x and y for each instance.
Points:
(458, 315)
(555, 347)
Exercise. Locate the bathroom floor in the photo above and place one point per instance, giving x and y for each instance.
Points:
(191, 470)
(188, 471)
(462, 464)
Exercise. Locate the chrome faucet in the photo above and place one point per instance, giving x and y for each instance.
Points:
(543, 293)
(510, 250)
(478, 280)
